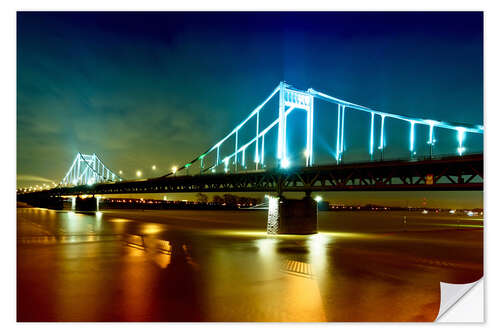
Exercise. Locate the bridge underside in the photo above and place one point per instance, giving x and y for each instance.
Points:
(447, 174)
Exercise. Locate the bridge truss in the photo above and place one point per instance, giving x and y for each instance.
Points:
(447, 174)
(88, 170)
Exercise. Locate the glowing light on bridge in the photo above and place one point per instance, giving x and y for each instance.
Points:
(412, 136)
(310, 131)
(342, 133)
(285, 163)
(256, 158)
(88, 170)
(281, 121)
(431, 123)
(236, 151)
(338, 133)
(460, 137)
(290, 99)
(371, 133)
(382, 143)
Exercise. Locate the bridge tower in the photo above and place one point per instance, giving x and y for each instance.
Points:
(88, 170)
(289, 100)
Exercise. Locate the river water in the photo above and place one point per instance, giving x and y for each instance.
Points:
(133, 265)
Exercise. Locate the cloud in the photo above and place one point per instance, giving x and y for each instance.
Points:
(27, 178)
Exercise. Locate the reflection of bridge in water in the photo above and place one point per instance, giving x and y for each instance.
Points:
(273, 170)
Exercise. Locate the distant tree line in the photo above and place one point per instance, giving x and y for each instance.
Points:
(228, 200)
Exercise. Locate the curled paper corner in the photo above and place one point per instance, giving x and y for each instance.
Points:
(451, 293)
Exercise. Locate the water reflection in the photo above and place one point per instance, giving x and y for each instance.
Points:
(114, 266)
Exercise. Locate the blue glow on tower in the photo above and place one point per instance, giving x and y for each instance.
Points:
(281, 117)
(461, 138)
(382, 142)
(218, 156)
(371, 134)
(310, 131)
(412, 136)
(256, 158)
(342, 133)
(431, 123)
(285, 163)
(236, 149)
(338, 133)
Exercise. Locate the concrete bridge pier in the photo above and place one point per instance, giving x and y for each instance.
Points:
(292, 216)
(86, 204)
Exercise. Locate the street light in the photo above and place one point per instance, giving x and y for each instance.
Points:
(153, 167)
(139, 173)
(120, 172)
(174, 169)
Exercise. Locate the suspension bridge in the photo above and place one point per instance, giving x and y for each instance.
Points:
(261, 162)
(274, 171)
(88, 170)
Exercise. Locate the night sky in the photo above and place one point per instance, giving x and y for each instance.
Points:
(143, 89)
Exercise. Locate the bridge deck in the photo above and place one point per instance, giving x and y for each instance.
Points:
(446, 174)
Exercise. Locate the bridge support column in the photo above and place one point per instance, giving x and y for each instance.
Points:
(86, 204)
(292, 216)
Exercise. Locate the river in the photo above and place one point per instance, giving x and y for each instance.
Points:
(181, 265)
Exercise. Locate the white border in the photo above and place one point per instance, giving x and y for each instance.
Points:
(8, 123)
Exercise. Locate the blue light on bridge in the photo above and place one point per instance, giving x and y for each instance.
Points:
(256, 158)
(412, 136)
(382, 143)
(310, 132)
(87, 170)
(338, 133)
(291, 98)
(431, 123)
(285, 163)
(236, 150)
(371, 134)
(461, 138)
(281, 121)
(342, 133)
